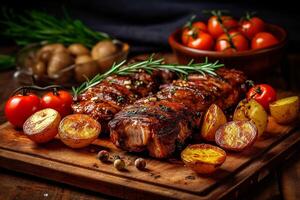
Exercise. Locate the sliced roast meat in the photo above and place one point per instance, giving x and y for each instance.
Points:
(158, 122)
(105, 99)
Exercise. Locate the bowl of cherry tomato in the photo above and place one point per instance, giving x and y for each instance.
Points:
(250, 44)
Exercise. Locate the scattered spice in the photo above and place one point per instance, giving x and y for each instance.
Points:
(95, 165)
(103, 155)
(140, 163)
(119, 164)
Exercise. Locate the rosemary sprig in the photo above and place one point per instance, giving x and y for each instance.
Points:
(34, 26)
(149, 65)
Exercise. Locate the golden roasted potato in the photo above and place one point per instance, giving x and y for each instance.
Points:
(103, 49)
(252, 110)
(42, 126)
(213, 119)
(236, 135)
(57, 62)
(78, 49)
(78, 130)
(285, 110)
(203, 158)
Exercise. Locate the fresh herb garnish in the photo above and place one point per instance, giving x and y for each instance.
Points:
(34, 26)
(149, 65)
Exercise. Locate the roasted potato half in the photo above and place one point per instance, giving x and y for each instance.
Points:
(203, 158)
(252, 110)
(236, 135)
(78, 130)
(213, 119)
(285, 110)
(42, 126)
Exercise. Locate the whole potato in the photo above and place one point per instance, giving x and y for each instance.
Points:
(86, 70)
(78, 49)
(44, 56)
(56, 47)
(39, 68)
(57, 62)
(83, 59)
(103, 49)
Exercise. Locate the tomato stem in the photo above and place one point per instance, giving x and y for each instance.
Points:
(55, 91)
(218, 14)
(24, 89)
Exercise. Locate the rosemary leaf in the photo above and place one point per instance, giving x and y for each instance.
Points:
(149, 66)
(34, 26)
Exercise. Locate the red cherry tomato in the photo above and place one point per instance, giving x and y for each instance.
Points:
(238, 42)
(214, 27)
(189, 32)
(250, 27)
(187, 35)
(60, 101)
(203, 41)
(263, 40)
(19, 107)
(200, 26)
(263, 94)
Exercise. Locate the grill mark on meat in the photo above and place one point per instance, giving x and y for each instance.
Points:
(181, 104)
(107, 98)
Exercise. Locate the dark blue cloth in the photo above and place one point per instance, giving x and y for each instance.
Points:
(146, 24)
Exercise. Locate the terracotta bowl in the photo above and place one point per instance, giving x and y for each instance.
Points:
(253, 62)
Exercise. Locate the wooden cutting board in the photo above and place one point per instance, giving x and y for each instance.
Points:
(168, 179)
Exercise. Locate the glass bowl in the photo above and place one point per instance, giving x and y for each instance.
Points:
(67, 77)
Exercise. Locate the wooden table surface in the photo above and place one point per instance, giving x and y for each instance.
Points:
(281, 183)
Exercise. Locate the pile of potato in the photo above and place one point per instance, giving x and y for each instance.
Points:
(250, 122)
(54, 60)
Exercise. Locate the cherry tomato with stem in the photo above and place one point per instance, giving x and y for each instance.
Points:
(250, 26)
(20, 107)
(191, 31)
(262, 40)
(200, 26)
(263, 94)
(232, 41)
(58, 100)
(202, 41)
(217, 24)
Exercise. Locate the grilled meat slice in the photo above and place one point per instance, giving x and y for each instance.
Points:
(107, 98)
(158, 122)
(137, 124)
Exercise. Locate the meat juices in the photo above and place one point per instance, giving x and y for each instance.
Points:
(158, 122)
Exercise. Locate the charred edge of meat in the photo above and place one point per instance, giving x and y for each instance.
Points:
(194, 97)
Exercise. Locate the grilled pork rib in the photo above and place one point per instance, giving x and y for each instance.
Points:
(107, 98)
(158, 122)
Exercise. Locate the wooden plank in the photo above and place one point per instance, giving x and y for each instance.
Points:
(162, 179)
